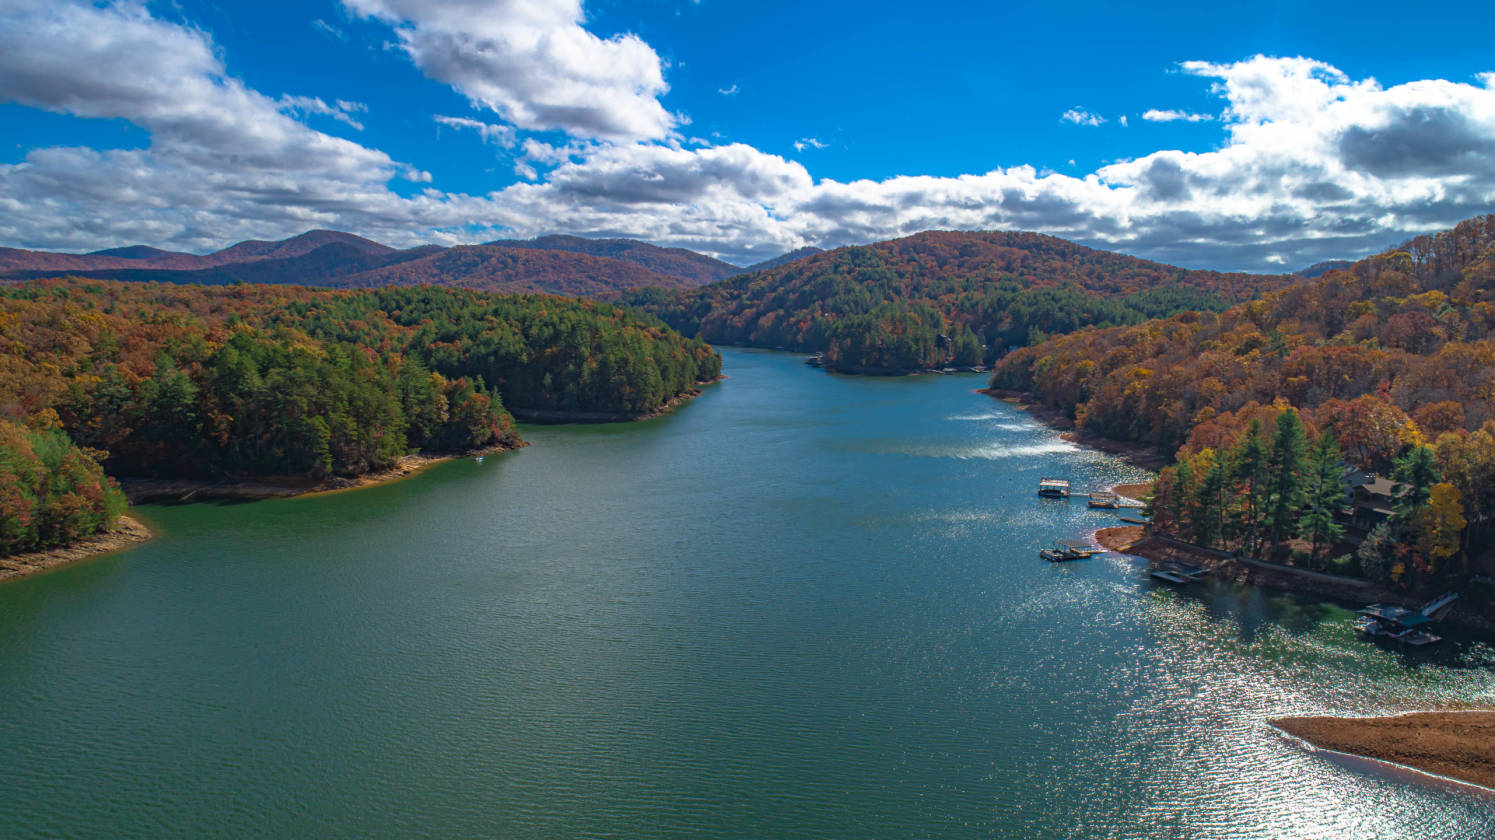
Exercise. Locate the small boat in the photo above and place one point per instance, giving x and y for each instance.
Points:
(479, 458)
(1053, 488)
(1105, 499)
(1175, 573)
(1132, 520)
(817, 360)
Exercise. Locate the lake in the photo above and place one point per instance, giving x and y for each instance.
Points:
(801, 606)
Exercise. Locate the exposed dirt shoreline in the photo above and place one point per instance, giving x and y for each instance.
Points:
(126, 533)
(1453, 744)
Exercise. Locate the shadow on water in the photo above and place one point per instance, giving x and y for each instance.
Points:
(1250, 610)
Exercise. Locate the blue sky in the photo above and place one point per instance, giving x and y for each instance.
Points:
(747, 129)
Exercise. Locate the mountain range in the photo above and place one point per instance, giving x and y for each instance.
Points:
(565, 265)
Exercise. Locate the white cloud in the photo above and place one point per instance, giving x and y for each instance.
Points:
(532, 63)
(1155, 115)
(329, 30)
(1080, 116)
(809, 143)
(341, 110)
(728, 91)
(1486, 79)
(499, 135)
(1313, 165)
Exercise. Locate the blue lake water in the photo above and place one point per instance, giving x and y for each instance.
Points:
(802, 606)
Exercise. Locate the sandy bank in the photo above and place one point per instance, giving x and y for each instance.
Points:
(127, 532)
(1458, 745)
(1136, 491)
(1120, 538)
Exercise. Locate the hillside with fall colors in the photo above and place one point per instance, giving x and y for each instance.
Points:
(1390, 359)
(940, 298)
(228, 382)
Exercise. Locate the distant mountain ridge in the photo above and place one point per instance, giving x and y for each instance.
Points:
(1320, 268)
(676, 262)
(555, 265)
(783, 259)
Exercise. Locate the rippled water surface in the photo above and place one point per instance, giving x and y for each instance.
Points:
(802, 606)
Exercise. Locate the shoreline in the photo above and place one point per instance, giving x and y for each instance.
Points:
(1138, 455)
(174, 490)
(127, 532)
(1156, 548)
(555, 416)
(1450, 745)
(130, 531)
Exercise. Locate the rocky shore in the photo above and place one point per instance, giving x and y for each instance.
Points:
(127, 532)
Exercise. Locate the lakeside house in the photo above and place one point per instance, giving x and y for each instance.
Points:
(1370, 500)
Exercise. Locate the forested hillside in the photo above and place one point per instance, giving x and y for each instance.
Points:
(208, 382)
(695, 269)
(495, 268)
(936, 298)
(1392, 357)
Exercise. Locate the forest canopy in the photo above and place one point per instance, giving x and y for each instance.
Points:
(940, 298)
(166, 380)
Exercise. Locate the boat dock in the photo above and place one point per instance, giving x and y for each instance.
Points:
(1053, 488)
(1179, 573)
(1104, 499)
(1404, 625)
(1069, 550)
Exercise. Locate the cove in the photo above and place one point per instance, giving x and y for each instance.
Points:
(802, 605)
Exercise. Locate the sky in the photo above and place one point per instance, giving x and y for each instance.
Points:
(1244, 136)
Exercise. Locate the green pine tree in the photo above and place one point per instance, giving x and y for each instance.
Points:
(1250, 459)
(1285, 465)
(1325, 495)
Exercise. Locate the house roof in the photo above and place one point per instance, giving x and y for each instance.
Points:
(1382, 486)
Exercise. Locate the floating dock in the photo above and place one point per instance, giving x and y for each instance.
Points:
(1180, 574)
(1404, 625)
(1053, 488)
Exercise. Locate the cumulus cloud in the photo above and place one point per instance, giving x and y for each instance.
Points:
(1155, 115)
(1080, 116)
(533, 63)
(1313, 164)
(809, 143)
(499, 135)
